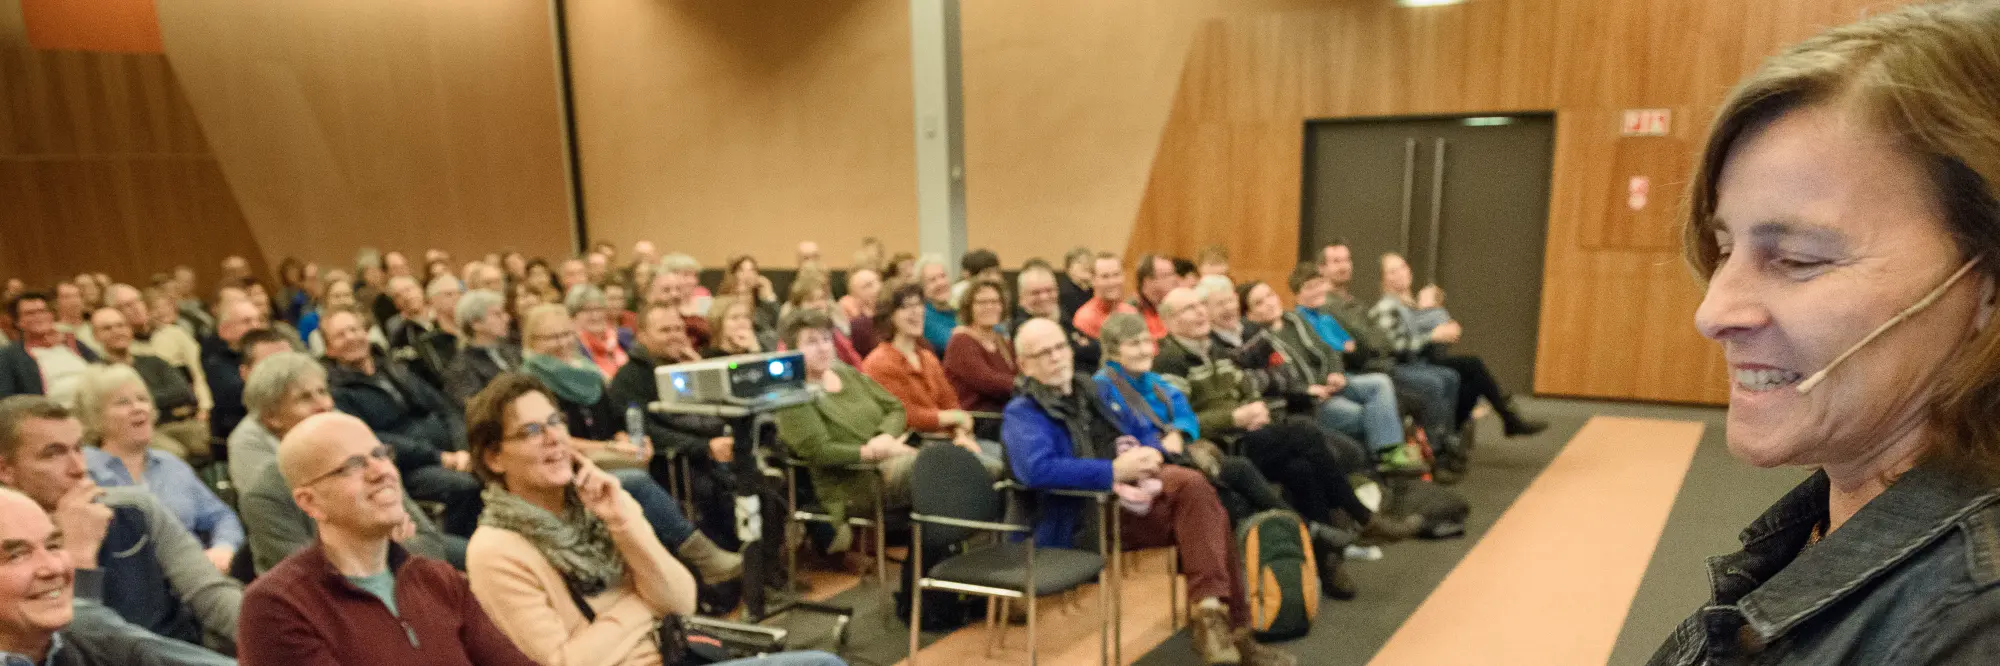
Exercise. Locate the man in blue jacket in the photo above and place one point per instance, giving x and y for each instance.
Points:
(1059, 436)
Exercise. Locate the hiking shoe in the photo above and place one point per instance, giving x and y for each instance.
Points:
(1402, 460)
(1208, 627)
(1390, 529)
(1334, 580)
(1258, 654)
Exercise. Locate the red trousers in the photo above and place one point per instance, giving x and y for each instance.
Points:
(1187, 514)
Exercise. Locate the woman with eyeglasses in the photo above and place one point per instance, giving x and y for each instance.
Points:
(117, 414)
(604, 340)
(564, 560)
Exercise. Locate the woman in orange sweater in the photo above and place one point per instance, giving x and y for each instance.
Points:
(906, 367)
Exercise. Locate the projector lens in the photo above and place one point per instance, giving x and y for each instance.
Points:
(777, 368)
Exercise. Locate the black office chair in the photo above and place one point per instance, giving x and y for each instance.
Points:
(952, 495)
(812, 513)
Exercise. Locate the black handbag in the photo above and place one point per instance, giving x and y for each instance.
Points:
(678, 646)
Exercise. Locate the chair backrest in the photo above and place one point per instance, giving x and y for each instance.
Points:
(950, 482)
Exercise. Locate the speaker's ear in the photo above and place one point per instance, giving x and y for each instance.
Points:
(1987, 292)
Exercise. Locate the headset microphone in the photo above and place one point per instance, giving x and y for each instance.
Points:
(1925, 302)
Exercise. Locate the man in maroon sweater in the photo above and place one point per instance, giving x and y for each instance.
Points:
(355, 596)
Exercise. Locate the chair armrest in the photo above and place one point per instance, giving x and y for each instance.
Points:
(1010, 485)
(969, 524)
(851, 467)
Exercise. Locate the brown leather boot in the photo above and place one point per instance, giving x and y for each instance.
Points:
(1208, 626)
(1259, 654)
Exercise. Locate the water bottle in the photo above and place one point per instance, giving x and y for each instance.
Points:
(635, 424)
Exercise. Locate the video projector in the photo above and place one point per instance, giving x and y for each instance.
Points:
(745, 380)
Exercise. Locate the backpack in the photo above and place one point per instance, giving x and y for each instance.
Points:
(1444, 511)
(1281, 580)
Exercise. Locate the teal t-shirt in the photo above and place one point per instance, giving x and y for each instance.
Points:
(382, 585)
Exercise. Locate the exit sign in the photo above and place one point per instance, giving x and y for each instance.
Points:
(1647, 122)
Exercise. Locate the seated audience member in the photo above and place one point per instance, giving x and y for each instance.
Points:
(160, 337)
(864, 288)
(618, 305)
(284, 390)
(744, 283)
(1107, 289)
(486, 276)
(433, 350)
(572, 273)
(356, 596)
(934, 282)
(186, 434)
(425, 429)
(193, 313)
(254, 292)
(901, 267)
(565, 560)
(553, 357)
(482, 315)
(117, 414)
(514, 264)
(1397, 315)
(43, 361)
(1156, 277)
(339, 296)
(160, 579)
(704, 440)
(979, 359)
(541, 276)
(596, 334)
(293, 297)
(71, 310)
(855, 421)
(1040, 298)
(1295, 364)
(55, 613)
(734, 329)
(1342, 320)
(808, 254)
(905, 366)
(1185, 273)
(1073, 284)
(278, 394)
(413, 315)
(1212, 260)
(221, 357)
(1055, 408)
(686, 287)
(980, 264)
(644, 253)
(668, 288)
(810, 292)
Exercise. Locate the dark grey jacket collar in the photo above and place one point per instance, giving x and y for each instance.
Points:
(1772, 598)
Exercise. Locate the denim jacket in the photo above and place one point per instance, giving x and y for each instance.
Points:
(1912, 578)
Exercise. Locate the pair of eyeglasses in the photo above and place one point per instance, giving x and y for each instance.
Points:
(354, 464)
(1047, 352)
(537, 430)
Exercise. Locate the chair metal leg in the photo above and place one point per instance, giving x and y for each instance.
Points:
(1006, 613)
(1028, 597)
(1117, 601)
(1174, 600)
(993, 626)
(1105, 581)
(791, 519)
(882, 540)
(916, 591)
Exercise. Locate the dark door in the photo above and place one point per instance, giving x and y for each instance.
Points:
(1465, 199)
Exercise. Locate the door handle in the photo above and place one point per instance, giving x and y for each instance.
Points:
(1437, 208)
(1409, 189)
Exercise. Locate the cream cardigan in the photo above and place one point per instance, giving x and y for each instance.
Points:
(527, 599)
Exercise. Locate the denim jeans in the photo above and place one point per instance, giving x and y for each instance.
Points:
(660, 508)
(1436, 388)
(1366, 410)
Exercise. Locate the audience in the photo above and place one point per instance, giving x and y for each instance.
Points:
(810, 292)
(186, 433)
(704, 441)
(44, 361)
(426, 431)
(578, 387)
(278, 394)
(1057, 408)
(934, 284)
(1107, 295)
(383, 604)
(70, 309)
(1294, 364)
(854, 421)
(1156, 277)
(734, 327)
(864, 288)
(154, 336)
(1342, 320)
(164, 583)
(221, 356)
(1040, 298)
(55, 612)
(979, 359)
(1212, 261)
(597, 334)
(742, 282)
(482, 315)
(1075, 282)
(980, 264)
(1420, 336)
(905, 366)
(117, 416)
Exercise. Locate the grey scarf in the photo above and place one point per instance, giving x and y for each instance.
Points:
(576, 543)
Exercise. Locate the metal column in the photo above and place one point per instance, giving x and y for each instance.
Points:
(940, 122)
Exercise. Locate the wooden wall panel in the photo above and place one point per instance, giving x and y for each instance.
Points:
(1617, 306)
(389, 123)
(103, 168)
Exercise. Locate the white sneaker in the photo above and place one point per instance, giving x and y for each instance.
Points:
(1364, 553)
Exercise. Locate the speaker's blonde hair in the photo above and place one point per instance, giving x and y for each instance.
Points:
(1928, 76)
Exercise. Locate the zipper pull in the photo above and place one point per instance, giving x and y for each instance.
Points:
(411, 633)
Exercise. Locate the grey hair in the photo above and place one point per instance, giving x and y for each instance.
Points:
(679, 262)
(1210, 285)
(475, 305)
(1166, 307)
(917, 270)
(584, 296)
(273, 378)
(440, 283)
(97, 382)
(1119, 328)
(367, 258)
(401, 279)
